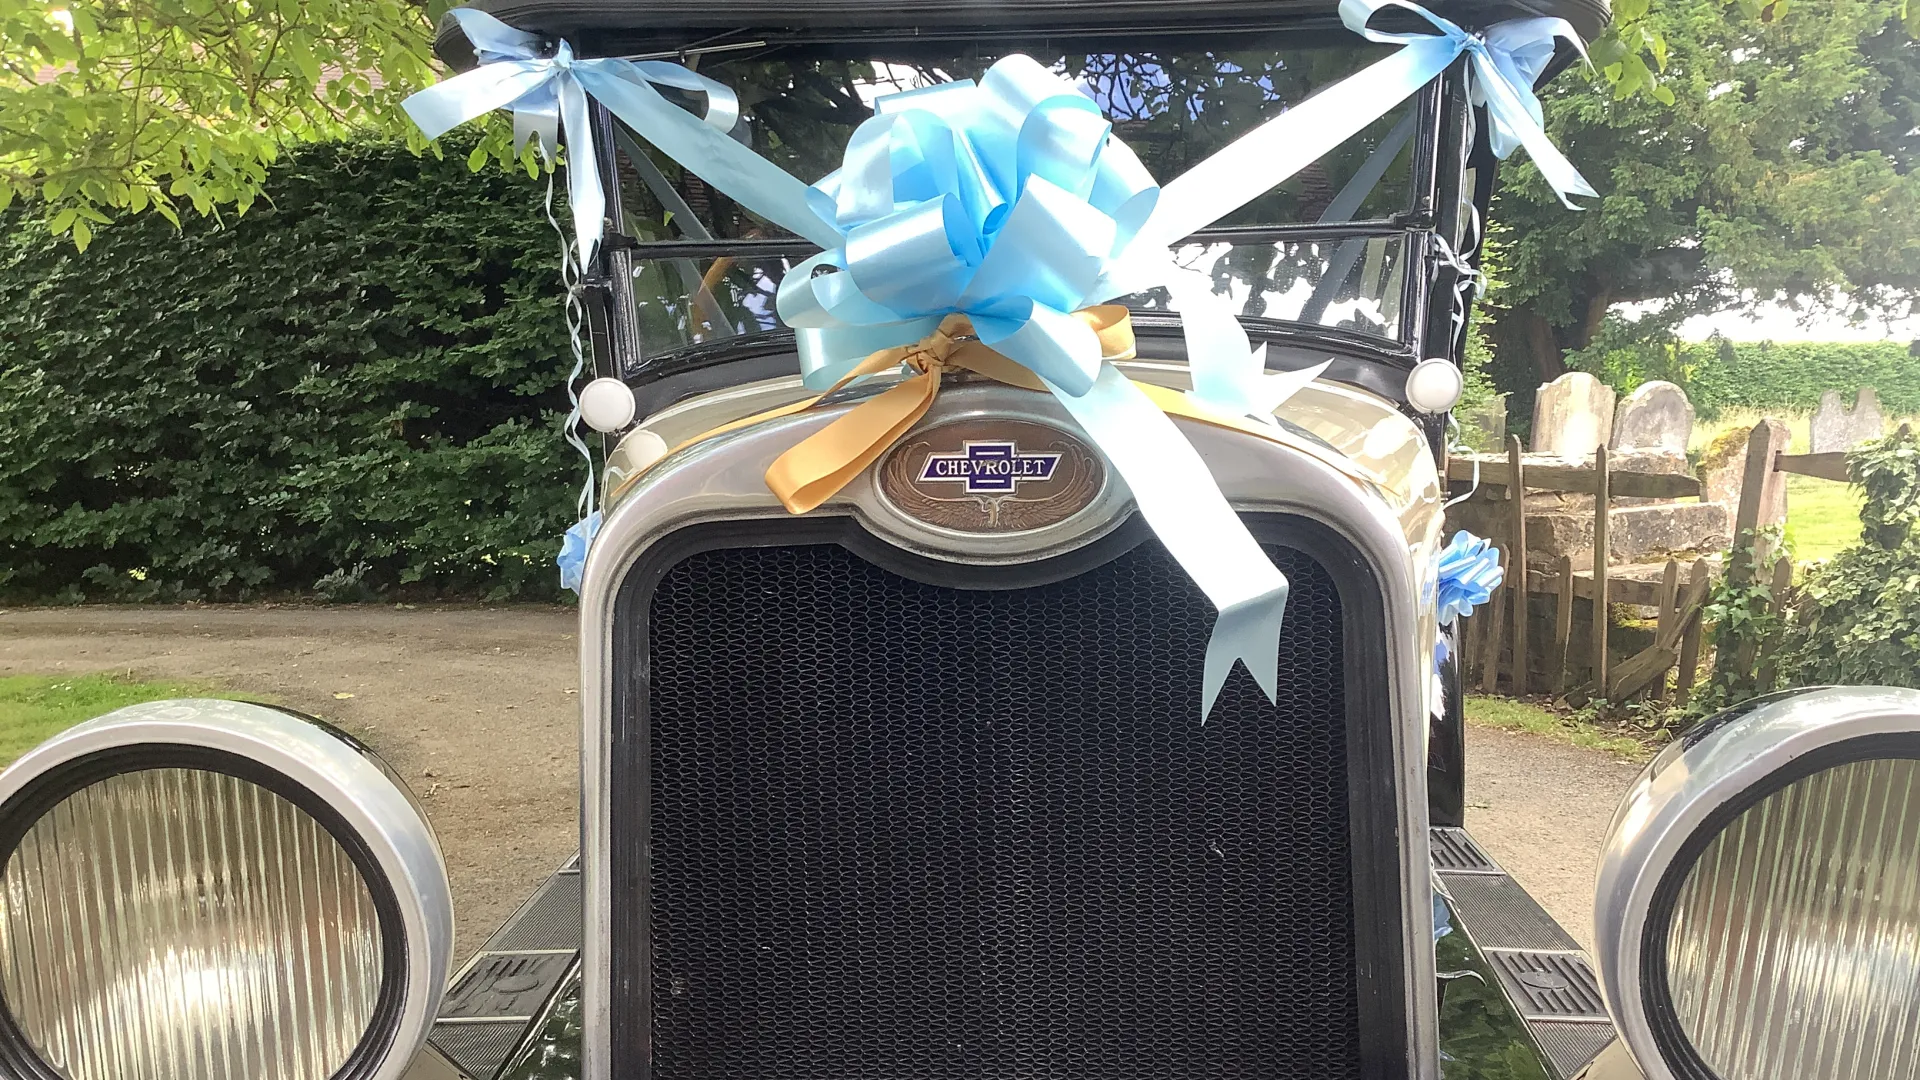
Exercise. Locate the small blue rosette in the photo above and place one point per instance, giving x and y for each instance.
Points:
(572, 559)
(1469, 572)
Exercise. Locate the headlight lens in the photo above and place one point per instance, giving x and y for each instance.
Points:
(178, 924)
(1794, 947)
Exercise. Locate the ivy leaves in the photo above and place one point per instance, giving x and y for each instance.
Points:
(1889, 473)
(1859, 615)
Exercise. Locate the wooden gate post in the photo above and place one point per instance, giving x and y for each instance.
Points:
(1690, 636)
(1757, 486)
(1562, 630)
(1770, 649)
(1490, 660)
(1601, 620)
(1517, 563)
(1667, 628)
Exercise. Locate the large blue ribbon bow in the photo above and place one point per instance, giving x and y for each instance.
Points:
(1007, 201)
(1012, 202)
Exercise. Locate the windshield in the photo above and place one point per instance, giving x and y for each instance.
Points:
(707, 269)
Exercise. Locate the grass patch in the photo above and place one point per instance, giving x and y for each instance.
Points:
(34, 708)
(1823, 517)
(1510, 715)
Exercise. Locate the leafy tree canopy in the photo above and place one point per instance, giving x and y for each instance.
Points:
(120, 106)
(1770, 158)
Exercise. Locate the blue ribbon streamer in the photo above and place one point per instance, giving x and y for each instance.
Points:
(1504, 62)
(1012, 202)
(548, 93)
(1469, 572)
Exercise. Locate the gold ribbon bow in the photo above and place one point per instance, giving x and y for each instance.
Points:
(828, 460)
(817, 467)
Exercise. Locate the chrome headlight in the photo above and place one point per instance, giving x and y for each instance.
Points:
(1758, 913)
(212, 890)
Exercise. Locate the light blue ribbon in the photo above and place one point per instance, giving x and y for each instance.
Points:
(548, 91)
(1505, 61)
(1006, 200)
(1011, 201)
(1469, 572)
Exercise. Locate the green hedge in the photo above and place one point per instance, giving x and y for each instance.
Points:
(1720, 374)
(358, 381)
(1793, 375)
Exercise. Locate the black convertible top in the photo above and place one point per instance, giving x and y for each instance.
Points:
(638, 27)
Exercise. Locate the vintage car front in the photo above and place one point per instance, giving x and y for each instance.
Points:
(907, 745)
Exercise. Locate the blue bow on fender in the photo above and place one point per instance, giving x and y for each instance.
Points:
(1469, 572)
(572, 559)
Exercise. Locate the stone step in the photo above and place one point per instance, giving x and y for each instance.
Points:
(1635, 534)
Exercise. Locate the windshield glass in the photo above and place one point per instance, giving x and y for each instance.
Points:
(1173, 105)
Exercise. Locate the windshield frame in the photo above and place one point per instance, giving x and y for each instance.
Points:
(1444, 139)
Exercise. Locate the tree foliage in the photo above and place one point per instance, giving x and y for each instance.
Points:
(359, 381)
(1771, 161)
(110, 107)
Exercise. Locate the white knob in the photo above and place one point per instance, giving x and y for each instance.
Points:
(1435, 385)
(607, 405)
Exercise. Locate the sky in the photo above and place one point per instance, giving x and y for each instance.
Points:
(1774, 323)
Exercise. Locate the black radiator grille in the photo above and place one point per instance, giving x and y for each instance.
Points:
(905, 831)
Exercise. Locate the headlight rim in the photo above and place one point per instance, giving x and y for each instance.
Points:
(28, 806)
(325, 773)
(1656, 991)
(1710, 765)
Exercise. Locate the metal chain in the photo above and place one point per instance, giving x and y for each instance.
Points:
(576, 319)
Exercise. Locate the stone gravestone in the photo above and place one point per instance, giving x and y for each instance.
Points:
(1836, 427)
(1723, 470)
(1657, 416)
(1572, 416)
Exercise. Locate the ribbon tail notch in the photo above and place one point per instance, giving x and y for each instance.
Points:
(1176, 493)
(1247, 632)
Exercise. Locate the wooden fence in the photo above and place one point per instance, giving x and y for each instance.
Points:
(1496, 638)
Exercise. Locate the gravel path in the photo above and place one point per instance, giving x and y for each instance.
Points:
(1540, 808)
(477, 708)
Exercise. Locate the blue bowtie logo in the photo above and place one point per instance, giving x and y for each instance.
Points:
(990, 468)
